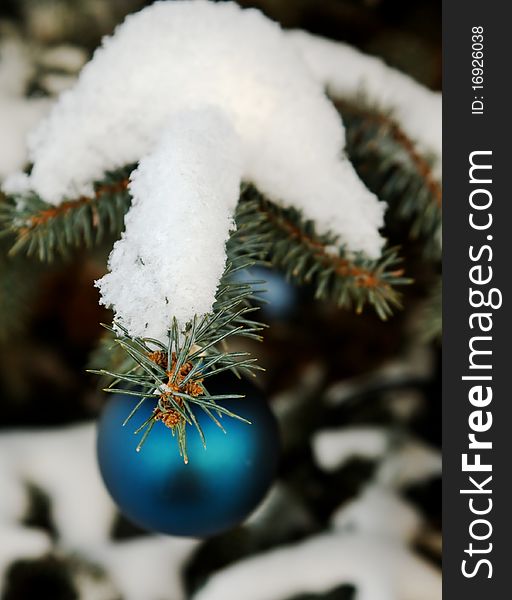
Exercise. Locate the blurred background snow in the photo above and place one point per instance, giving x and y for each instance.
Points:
(355, 512)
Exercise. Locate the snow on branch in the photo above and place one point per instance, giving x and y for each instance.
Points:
(44, 230)
(162, 66)
(17, 113)
(348, 74)
(379, 568)
(24, 65)
(392, 166)
(198, 162)
(307, 257)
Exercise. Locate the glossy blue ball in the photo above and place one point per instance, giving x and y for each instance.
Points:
(280, 295)
(220, 485)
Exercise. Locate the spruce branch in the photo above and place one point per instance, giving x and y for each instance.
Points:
(264, 230)
(44, 231)
(175, 374)
(308, 257)
(388, 162)
(110, 359)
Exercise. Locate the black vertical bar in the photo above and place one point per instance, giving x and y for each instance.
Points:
(477, 120)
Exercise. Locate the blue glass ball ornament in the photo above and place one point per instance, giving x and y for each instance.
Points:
(218, 488)
(280, 295)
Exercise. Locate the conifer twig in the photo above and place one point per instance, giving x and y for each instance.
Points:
(44, 231)
(311, 258)
(174, 374)
(388, 162)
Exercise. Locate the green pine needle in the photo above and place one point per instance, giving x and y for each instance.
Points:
(388, 162)
(44, 231)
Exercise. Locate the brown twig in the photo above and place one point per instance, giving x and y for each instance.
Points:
(56, 211)
(364, 278)
(385, 121)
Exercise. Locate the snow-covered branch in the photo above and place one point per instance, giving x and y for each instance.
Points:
(289, 135)
(348, 74)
